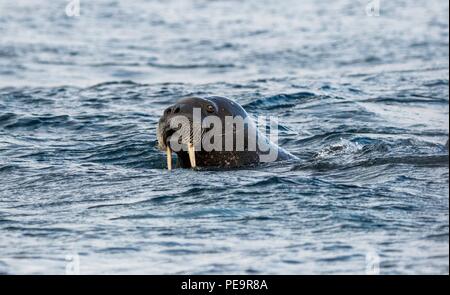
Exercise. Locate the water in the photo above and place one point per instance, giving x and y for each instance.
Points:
(362, 101)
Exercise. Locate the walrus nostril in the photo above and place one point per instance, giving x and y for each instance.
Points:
(177, 110)
(168, 111)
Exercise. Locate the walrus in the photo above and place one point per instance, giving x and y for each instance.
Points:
(214, 131)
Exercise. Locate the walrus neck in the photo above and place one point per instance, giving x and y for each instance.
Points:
(225, 159)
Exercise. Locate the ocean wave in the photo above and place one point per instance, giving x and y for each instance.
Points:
(280, 101)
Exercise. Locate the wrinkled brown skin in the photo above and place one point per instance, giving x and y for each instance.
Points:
(220, 159)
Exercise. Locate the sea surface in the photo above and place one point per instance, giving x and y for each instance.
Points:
(362, 100)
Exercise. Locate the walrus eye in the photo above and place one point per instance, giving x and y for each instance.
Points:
(210, 108)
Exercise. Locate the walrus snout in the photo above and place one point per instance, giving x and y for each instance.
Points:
(172, 121)
(177, 119)
(166, 134)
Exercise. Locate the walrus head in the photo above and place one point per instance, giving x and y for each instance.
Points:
(181, 125)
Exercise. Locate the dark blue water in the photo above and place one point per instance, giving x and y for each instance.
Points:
(362, 101)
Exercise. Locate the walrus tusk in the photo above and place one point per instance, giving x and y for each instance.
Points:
(169, 158)
(191, 152)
